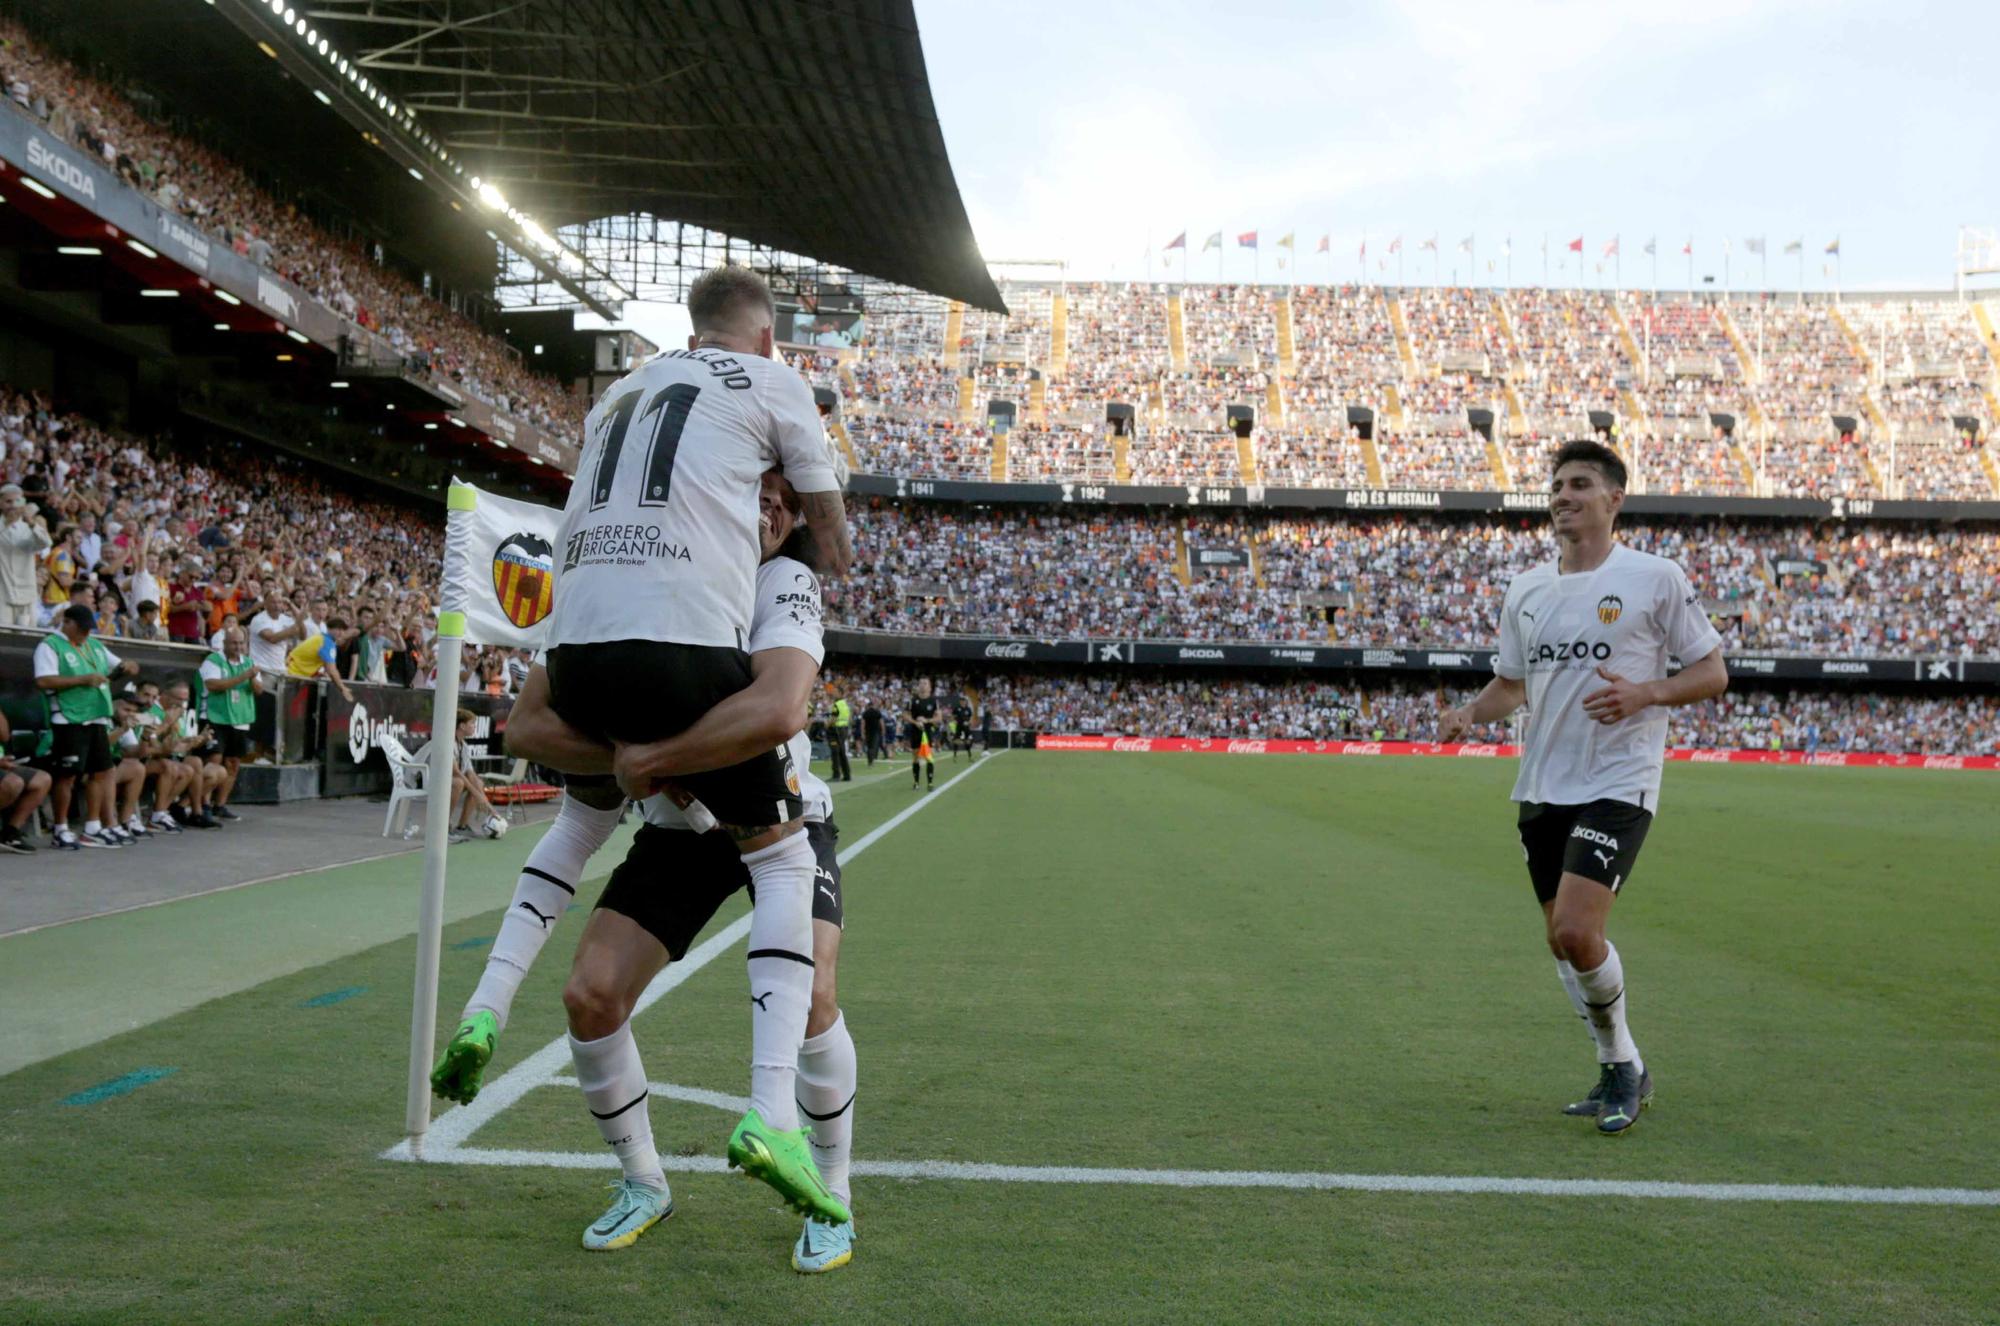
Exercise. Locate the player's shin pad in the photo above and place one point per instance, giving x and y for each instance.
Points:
(781, 968)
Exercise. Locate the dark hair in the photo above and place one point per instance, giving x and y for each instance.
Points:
(1590, 453)
(466, 715)
(147, 605)
(721, 295)
(78, 615)
(336, 623)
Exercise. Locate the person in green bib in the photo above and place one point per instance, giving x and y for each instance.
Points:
(73, 670)
(842, 725)
(232, 685)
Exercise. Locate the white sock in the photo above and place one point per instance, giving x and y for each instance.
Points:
(826, 1098)
(1567, 974)
(614, 1086)
(1604, 1002)
(541, 895)
(781, 972)
(92, 826)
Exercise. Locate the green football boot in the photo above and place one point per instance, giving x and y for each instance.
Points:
(784, 1160)
(463, 1063)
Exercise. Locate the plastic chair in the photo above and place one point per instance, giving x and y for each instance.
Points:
(406, 781)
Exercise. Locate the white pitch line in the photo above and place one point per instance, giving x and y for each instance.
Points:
(1423, 1184)
(449, 1131)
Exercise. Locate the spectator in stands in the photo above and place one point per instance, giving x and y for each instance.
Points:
(187, 604)
(273, 631)
(318, 655)
(189, 737)
(89, 543)
(61, 562)
(24, 538)
(22, 788)
(146, 624)
(73, 670)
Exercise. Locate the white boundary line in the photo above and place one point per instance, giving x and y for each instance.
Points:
(449, 1131)
(547, 1067)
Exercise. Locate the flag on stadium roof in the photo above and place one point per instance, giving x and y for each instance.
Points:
(1431, 244)
(1755, 246)
(1396, 244)
(1507, 247)
(1652, 246)
(1687, 249)
(1247, 240)
(1576, 245)
(1364, 248)
(1834, 248)
(1178, 241)
(1286, 242)
(1326, 240)
(1796, 246)
(1611, 249)
(1465, 245)
(1212, 242)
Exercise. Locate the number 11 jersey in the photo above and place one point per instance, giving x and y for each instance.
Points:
(659, 536)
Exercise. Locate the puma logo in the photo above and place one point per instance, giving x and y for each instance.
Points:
(759, 1000)
(1601, 857)
(545, 920)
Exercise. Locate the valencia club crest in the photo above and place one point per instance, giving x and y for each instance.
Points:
(524, 577)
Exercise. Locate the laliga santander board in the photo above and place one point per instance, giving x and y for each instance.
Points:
(1469, 750)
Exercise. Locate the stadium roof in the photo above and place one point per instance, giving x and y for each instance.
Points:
(807, 127)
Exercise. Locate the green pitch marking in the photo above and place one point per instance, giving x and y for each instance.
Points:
(477, 941)
(334, 997)
(119, 1086)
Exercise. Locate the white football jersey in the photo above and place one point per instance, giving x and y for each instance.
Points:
(659, 536)
(787, 616)
(1628, 616)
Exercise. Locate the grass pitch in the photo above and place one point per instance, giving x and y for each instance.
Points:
(1160, 962)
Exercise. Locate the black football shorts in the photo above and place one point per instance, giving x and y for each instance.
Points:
(672, 881)
(647, 690)
(1599, 840)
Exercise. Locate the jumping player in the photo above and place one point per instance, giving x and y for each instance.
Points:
(1584, 643)
(652, 614)
(659, 900)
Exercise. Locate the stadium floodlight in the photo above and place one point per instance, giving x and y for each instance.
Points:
(277, 6)
(284, 359)
(38, 187)
(290, 15)
(430, 428)
(457, 422)
(80, 250)
(336, 385)
(502, 445)
(310, 35)
(491, 196)
(324, 100)
(416, 174)
(161, 294)
(226, 297)
(323, 45)
(345, 68)
(143, 250)
(389, 405)
(298, 336)
(223, 326)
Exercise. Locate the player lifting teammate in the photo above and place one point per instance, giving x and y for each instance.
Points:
(659, 899)
(1584, 643)
(653, 603)
(920, 720)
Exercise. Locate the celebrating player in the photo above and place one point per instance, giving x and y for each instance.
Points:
(1584, 643)
(653, 607)
(659, 900)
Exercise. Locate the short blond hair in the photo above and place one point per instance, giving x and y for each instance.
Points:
(727, 298)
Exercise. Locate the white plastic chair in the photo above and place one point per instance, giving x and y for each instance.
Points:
(406, 780)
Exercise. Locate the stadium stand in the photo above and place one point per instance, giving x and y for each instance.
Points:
(215, 194)
(1706, 398)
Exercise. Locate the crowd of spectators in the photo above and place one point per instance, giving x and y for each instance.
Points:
(891, 443)
(1159, 702)
(1403, 581)
(1058, 452)
(1440, 458)
(1167, 455)
(1561, 354)
(208, 190)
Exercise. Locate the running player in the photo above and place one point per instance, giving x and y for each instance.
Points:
(652, 613)
(642, 923)
(920, 718)
(1584, 643)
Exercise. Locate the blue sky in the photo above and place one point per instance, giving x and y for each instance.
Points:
(1087, 130)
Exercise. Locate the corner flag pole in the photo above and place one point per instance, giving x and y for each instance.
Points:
(437, 813)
